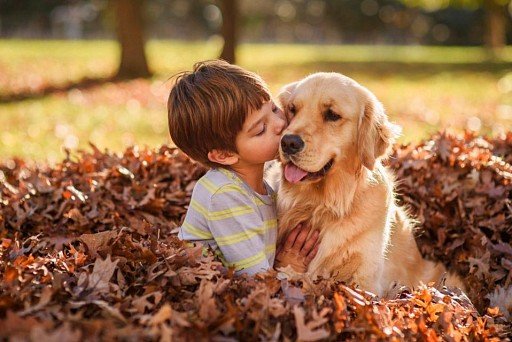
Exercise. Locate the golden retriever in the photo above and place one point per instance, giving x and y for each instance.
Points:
(333, 179)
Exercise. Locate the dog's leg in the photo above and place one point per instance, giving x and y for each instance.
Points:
(369, 277)
(363, 270)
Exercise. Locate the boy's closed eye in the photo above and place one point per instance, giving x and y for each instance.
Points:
(263, 129)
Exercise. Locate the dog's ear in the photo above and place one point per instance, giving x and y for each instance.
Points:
(284, 99)
(286, 93)
(375, 134)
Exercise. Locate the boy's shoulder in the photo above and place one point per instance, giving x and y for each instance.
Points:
(218, 181)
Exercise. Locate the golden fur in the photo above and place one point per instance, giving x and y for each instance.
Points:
(365, 237)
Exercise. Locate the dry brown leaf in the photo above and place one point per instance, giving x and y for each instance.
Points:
(62, 333)
(208, 311)
(304, 332)
(53, 269)
(142, 304)
(98, 280)
(164, 314)
(97, 240)
(46, 296)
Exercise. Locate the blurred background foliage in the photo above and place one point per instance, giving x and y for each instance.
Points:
(427, 22)
(96, 70)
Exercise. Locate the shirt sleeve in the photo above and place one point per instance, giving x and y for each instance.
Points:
(239, 229)
(195, 226)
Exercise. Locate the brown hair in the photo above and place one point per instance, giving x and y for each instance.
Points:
(207, 107)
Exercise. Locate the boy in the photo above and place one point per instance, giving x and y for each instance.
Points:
(223, 117)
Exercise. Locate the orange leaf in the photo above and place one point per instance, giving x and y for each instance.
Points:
(6, 243)
(10, 275)
(493, 311)
(24, 261)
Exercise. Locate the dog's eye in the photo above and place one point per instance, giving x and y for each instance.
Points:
(292, 109)
(331, 116)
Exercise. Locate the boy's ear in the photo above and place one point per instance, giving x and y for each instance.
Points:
(222, 157)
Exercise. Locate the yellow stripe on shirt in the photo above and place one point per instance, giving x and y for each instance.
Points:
(221, 214)
(230, 212)
(215, 189)
(199, 208)
(196, 231)
(247, 234)
(250, 261)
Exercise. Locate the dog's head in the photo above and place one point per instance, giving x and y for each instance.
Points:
(334, 120)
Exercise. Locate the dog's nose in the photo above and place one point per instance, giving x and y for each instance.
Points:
(291, 143)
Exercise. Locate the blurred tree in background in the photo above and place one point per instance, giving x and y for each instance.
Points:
(229, 9)
(495, 17)
(130, 33)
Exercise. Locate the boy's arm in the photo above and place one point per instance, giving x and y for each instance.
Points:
(239, 231)
(194, 226)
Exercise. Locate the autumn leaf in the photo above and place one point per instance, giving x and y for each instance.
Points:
(307, 332)
(10, 275)
(208, 311)
(110, 310)
(98, 280)
(98, 240)
(14, 324)
(142, 303)
(46, 296)
(89, 251)
(165, 313)
(62, 333)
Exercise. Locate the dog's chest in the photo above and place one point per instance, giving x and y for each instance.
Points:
(317, 217)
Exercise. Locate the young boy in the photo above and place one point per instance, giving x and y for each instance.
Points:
(223, 117)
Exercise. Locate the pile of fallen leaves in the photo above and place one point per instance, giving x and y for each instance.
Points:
(460, 191)
(88, 250)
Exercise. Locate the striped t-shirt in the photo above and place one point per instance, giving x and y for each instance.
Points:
(229, 216)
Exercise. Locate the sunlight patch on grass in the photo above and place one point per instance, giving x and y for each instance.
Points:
(40, 129)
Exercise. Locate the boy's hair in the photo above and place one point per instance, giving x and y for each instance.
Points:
(207, 107)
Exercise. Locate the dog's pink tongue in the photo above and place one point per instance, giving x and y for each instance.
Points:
(293, 174)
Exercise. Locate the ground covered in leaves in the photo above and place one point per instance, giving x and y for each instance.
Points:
(88, 250)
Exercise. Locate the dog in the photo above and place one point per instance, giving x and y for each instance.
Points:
(333, 179)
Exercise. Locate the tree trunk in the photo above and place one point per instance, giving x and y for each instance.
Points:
(229, 26)
(495, 26)
(129, 27)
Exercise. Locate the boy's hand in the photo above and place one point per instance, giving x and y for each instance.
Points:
(296, 251)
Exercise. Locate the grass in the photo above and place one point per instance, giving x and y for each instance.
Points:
(424, 89)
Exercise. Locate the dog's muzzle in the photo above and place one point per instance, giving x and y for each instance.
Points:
(292, 144)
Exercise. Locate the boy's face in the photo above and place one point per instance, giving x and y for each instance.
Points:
(259, 139)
